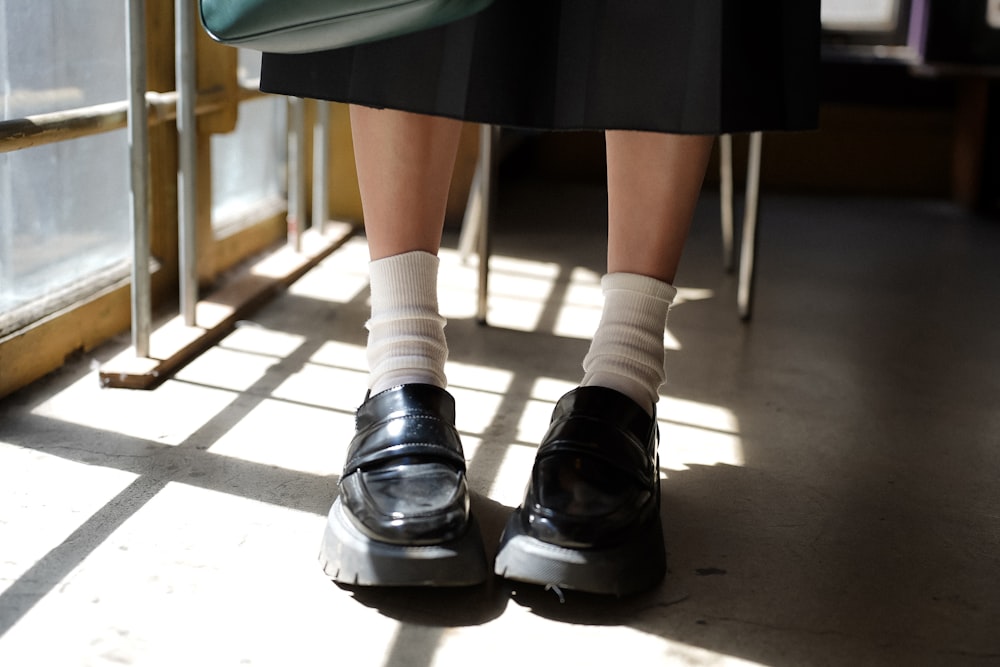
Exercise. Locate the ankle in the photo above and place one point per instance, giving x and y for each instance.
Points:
(626, 353)
(406, 341)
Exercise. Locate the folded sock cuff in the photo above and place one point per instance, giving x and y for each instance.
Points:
(407, 280)
(634, 282)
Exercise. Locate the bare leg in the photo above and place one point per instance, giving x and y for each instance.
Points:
(653, 185)
(404, 162)
(404, 482)
(587, 522)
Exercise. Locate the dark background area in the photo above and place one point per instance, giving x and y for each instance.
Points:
(926, 124)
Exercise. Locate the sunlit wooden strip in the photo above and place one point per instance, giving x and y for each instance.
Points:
(175, 343)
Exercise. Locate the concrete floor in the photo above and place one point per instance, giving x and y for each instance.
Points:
(831, 468)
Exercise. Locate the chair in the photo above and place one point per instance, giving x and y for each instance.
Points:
(475, 225)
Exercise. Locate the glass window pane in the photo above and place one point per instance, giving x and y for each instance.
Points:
(63, 207)
(248, 163)
(61, 54)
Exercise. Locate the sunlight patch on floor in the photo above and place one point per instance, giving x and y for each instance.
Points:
(257, 339)
(458, 283)
(341, 278)
(512, 470)
(580, 310)
(479, 393)
(289, 436)
(609, 643)
(225, 368)
(480, 378)
(146, 415)
(211, 562)
(345, 356)
(45, 500)
(689, 294)
(518, 293)
(344, 289)
(697, 433)
(550, 390)
(322, 386)
(514, 463)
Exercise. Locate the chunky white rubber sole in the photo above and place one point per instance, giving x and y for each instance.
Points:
(348, 556)
(627, 568)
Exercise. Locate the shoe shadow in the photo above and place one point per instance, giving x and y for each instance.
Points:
(579, 608)
(447, 606)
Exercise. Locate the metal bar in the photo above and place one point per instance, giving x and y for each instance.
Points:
(187, 134)
(321, 163)
(469, 235)
(41, 129)
(296, 171)
(138, 128)
(744, 292)
(726, 199)
(49, 128)
(487, 161)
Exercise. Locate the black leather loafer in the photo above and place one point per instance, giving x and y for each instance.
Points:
(590, 519)
(402, 517)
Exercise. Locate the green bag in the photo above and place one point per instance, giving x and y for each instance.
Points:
(299, 26)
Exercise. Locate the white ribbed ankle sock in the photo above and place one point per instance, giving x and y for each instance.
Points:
(406, 342)
(627, 352)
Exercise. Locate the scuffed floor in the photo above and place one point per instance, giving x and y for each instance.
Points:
(830, 468)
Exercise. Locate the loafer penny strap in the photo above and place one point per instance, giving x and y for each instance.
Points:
(411, 420)
(409, 435)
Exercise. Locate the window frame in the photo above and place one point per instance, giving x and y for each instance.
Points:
(105, 312)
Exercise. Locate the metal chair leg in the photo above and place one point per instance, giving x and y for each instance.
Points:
(475, 226)
(726, 199)
(473, 219)
(483, 191)
(744, 293)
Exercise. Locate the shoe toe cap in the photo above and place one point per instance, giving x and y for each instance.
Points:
(578, 502)
(418, 503)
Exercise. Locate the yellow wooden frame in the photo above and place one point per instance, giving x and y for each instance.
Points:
(44, 346)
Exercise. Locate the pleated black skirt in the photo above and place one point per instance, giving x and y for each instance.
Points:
(684, 66)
